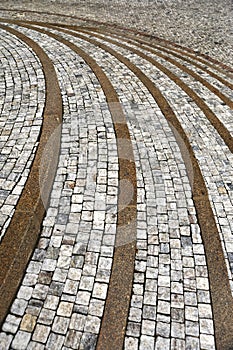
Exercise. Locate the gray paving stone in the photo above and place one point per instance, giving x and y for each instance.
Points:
(11, 324)
(146, 343)
(56, 288)
(51, 302)
(46, 317)
(133, 329)
(41, 333)
(100, 290)
(149, 312)
(206, 327)
(18, 307)
(55, 340)
(83, 298)
(148, 327)
(162, 343)
(178, 344)
(131, 343)
(96, 307)
(21, 340)
(60, 325)
(65, 309)
(40, 292)
(35, 346)
(92, 324)
(205, 311)
(88, 340)
(73, 339)
(178, 330)
(5, 340)
(192, 328)
(207, 341)
(163, 329)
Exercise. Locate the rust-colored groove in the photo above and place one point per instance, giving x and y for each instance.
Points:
(222, 301)
(204, 58)
(22, 234)
(114, 320)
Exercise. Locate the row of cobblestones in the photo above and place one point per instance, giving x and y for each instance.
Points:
(22, 91)
(170, 291)
(197, 86)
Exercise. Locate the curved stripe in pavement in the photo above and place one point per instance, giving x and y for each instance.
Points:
(117, 303)
(222, 301)
(205, 59)
(21, 236)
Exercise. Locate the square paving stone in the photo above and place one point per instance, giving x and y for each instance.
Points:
(21, 340)
(41, 333)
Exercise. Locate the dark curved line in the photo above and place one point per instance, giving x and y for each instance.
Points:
(218, 274)
(22, 234)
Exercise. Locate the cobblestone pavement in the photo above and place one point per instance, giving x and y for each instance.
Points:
(128, 243)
